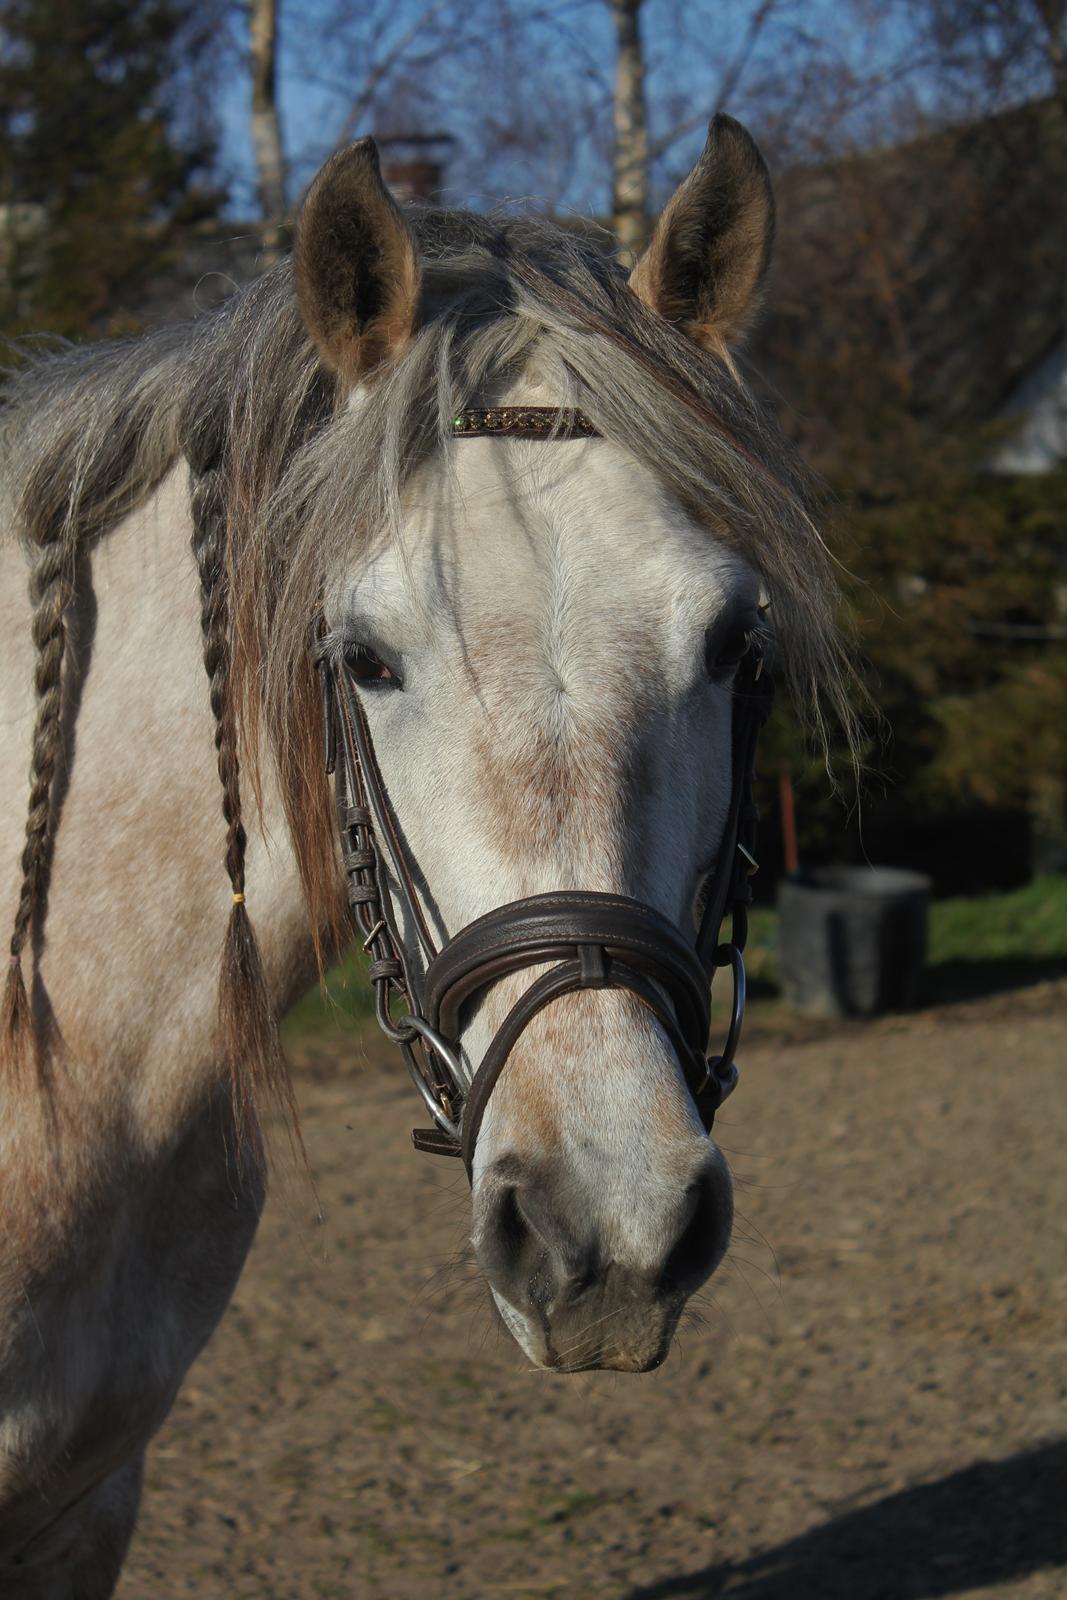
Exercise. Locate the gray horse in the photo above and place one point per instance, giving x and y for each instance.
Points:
(544, 636)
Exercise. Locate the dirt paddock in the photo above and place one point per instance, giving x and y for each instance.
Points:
(870, 1405)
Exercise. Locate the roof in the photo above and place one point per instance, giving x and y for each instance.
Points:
(935, 268)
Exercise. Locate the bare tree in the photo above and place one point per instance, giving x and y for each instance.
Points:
(630, 177)
(390, 68)
(266, 126)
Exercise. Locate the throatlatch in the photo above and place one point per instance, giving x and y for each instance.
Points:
(589, 940)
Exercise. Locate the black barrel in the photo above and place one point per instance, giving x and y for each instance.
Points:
(852, 940)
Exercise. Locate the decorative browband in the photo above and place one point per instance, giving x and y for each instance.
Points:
(522, 422)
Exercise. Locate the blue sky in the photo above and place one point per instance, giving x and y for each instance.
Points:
(529, 106)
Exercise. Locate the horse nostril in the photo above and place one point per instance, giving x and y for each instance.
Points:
(505, 1237)
(699, 1245)
(512, 1228)
(527, 1249)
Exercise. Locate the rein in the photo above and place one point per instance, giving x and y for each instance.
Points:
(589, 940)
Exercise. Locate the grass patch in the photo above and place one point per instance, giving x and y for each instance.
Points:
(974, 942)
(761, 952)
(324, 1017)
(979, 944)
(1027, 924)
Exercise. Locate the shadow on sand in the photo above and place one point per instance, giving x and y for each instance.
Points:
(951, 981)
(993, 1523)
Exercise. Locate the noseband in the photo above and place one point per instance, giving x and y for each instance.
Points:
(586, 939)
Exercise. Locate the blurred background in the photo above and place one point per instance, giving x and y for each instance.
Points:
(913, 342)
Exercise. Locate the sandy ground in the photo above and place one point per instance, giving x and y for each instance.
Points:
(871, 1404)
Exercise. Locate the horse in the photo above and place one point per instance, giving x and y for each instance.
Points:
(543, 634)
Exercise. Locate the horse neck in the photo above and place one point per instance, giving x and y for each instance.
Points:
(138, 896)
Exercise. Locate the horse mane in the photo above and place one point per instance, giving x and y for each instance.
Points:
(289, 482)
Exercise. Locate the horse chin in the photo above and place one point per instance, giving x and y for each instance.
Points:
(643, 1351)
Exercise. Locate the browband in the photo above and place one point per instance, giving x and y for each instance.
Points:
(522, 422)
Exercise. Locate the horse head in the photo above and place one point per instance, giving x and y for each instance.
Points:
(543, 646)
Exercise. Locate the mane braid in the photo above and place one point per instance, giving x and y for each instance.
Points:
(247, 1028)
(51, 590)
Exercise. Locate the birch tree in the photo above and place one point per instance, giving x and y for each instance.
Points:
(630, 175)
(266, 124)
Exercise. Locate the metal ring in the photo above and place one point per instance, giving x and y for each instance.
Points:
(727, 1082)
(446, 1123)
(723, 1067)
(448, 1053)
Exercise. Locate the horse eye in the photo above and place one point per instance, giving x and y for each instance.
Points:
(722, 656)
(365, 666)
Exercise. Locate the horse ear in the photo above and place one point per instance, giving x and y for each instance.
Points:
(710, 249)
(356, 267)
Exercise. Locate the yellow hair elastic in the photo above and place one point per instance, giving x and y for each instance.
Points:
(238, 899)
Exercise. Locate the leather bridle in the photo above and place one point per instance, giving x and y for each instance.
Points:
(586, 939)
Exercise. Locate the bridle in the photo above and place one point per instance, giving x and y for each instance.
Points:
(588, 940)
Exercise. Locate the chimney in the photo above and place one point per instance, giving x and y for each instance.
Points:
(413, 165)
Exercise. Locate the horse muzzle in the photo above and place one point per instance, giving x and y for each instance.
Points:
(557, 1281)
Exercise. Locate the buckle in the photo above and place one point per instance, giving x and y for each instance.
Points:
(753, 864)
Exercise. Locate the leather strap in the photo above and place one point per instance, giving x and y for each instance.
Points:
(522, 422)
(730, 891)
(567, 978)
(599, 941)
(586, 939)
(561, 927)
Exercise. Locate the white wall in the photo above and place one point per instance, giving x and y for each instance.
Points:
(1041, 400)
